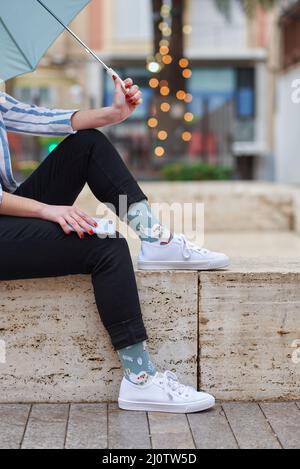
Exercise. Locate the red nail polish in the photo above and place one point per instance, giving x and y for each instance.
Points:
(128, 85)
(91, 232)
(114, 77)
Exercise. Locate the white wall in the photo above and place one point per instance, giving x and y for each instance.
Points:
(287, 146)
(211, 29)
(133, 20)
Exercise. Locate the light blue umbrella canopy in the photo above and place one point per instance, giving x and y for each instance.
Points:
(29, 27)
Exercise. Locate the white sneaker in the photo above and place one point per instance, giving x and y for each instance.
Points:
(164, 393)
(179, 254)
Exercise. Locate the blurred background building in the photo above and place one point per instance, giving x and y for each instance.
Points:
(239, 72)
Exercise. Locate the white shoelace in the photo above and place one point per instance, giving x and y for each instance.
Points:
(188, 247)
(170, 382)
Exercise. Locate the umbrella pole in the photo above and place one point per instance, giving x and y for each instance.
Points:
(110, 71)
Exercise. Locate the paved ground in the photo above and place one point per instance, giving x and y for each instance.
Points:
(99, 426)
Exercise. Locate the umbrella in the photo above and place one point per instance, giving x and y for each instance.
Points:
(29, 27)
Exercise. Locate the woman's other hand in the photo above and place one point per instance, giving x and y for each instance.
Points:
(65, 216)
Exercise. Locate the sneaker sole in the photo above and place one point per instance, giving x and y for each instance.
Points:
(181, 265)
(197, 406)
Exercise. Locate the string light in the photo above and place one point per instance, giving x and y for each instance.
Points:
(159, 151)
(164, 43)
(187, 136)
(163, 83)
(152, 122)
(188, 98)
(167, 31)
(162, 135)
(164, 50)
(167, 59)
(187, 73)
(165, 10)
(183, 63)
(165, 91)
(154, 83)
(154, 67)
(181, 95)
(163, 25)
(188, 116)
(165, 107)
(155, 64)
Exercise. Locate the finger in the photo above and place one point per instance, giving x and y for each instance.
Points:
(64, 225)
(83, 224)
(133, 90)
(86, 217)
(128, 82)
(136, 97)
(117, 83)
(76, 226)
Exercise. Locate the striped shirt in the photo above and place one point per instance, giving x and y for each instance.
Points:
(27, 119)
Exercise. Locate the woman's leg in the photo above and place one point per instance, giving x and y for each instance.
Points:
(89, 157)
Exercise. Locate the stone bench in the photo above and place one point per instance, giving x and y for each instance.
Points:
(233, 332)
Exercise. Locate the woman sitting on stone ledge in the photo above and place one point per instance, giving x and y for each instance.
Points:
(42, 234)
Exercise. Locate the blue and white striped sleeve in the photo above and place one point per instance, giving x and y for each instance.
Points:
(35, 120)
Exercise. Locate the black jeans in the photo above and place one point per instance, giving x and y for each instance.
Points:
(34, 248)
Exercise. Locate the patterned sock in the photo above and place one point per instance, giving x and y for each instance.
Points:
(141, 219)
(137, 364)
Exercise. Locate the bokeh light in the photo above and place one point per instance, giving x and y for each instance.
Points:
(163, 83)
(164, 42)
(184, 63)
(152, 122)
(164, 50)
(165, 91)
(167, 31)
(187, 136)
(165, 107)
(187, 73)
(163, 25)
(165, 10)
(181, 95)
(153, 67)
(188, 98)
(153, 83)
(159, 151)
(162, 135)
(188, 116)
(167, 59)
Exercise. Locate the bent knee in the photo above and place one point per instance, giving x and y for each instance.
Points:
(91, 135)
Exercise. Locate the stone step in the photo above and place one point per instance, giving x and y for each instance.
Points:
(234, 333)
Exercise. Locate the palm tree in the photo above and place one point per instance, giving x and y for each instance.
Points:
(172, 73)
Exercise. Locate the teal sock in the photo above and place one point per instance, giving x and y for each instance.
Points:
(142, 220)
(137, 364)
